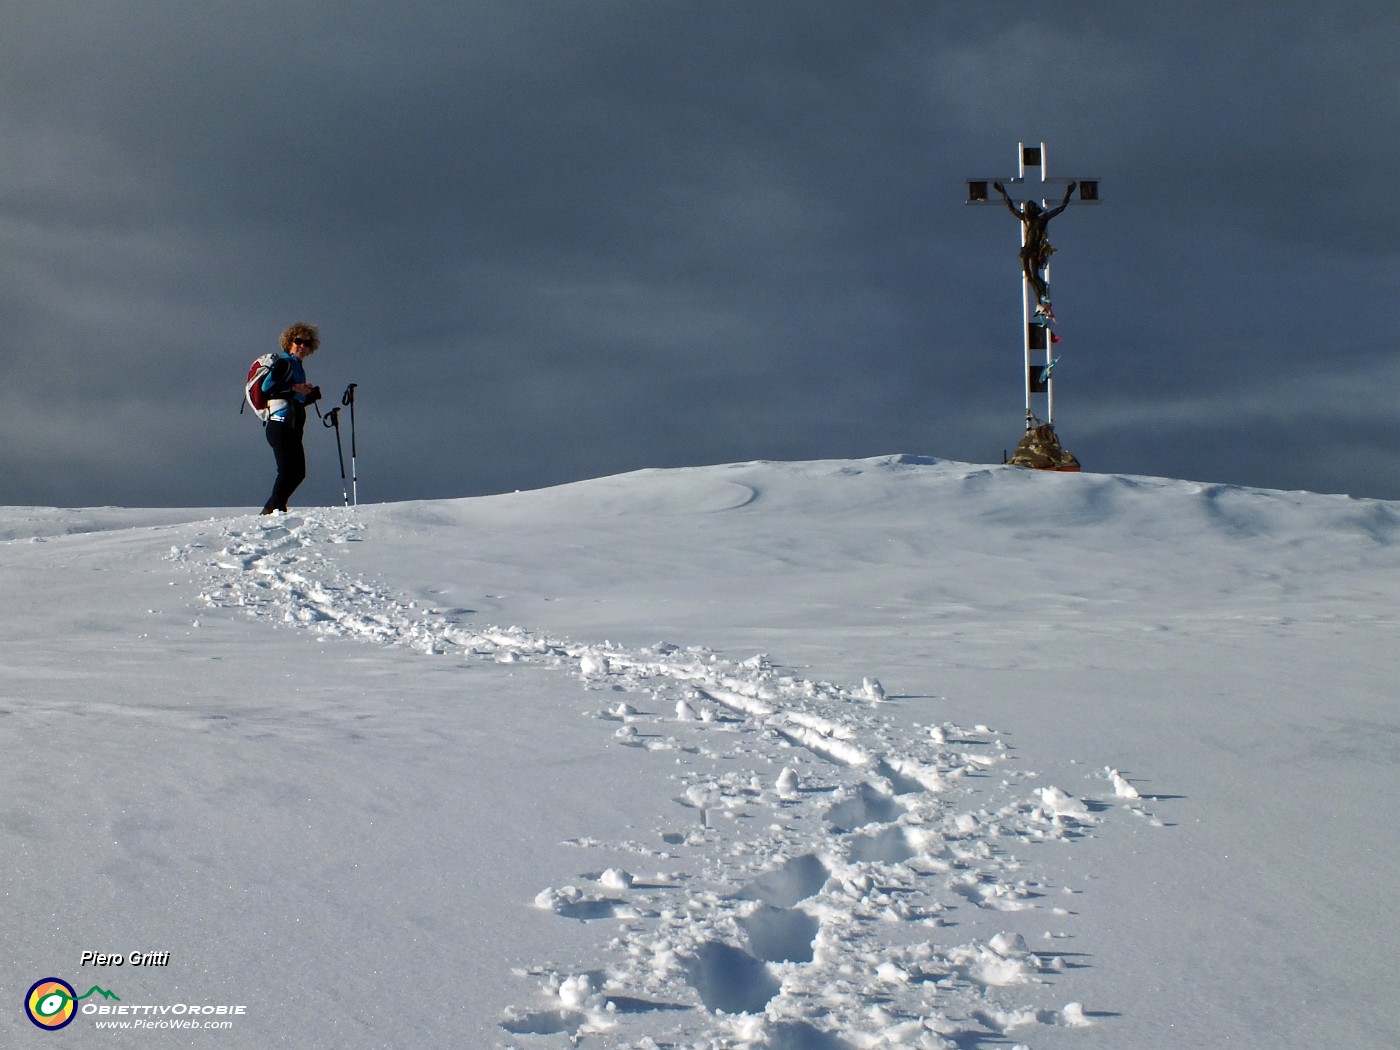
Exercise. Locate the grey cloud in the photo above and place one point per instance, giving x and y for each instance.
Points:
(553, 240)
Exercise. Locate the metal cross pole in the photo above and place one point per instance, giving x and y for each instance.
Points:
(1035, 206)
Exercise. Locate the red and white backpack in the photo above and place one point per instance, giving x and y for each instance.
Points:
(253, 393)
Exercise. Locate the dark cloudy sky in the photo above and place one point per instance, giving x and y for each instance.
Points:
(555, 239)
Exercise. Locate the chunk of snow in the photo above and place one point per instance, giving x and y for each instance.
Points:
(1121, 787)
(1062, 804)
(1073, 1016)
(1009, 945)
(616, 879)
(575, 992)
(593, 664)
(787, 784)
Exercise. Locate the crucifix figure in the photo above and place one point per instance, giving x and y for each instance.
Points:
(1036, 248)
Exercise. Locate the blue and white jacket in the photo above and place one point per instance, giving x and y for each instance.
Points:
(284, 404)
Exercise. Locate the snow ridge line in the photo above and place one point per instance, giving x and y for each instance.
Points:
(817, 879)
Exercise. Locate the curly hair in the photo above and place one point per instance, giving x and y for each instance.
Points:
(301, 330)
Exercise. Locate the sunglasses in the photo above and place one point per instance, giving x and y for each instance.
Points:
(299, 342)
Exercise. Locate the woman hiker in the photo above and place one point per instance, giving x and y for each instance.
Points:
(288, 394)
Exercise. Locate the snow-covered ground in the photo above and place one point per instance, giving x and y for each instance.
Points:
(882, 753)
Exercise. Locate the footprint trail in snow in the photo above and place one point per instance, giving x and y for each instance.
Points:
(821, 878)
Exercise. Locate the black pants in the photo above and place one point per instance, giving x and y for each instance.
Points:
(285, 439)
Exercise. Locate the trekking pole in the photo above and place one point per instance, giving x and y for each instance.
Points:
(349, 399)
(332, 419)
